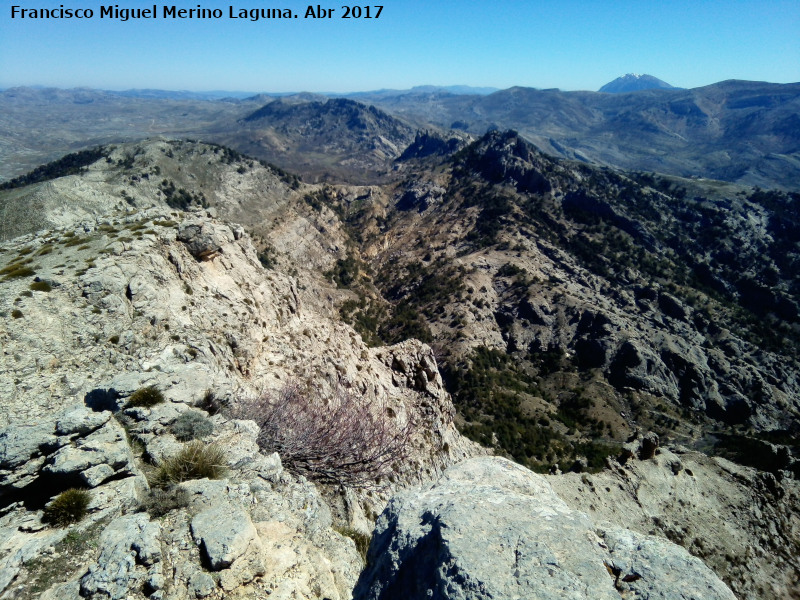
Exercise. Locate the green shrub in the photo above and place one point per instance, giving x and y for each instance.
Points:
(41, 286)
(146, 396)
(68, 507)
(16, 313)
(195, 460)
(158, 502)
(210, 402)
(16, 271)
(191, 425)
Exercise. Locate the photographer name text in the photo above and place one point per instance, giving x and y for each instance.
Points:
(114, 12)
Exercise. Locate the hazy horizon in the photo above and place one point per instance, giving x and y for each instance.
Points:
(570, 45)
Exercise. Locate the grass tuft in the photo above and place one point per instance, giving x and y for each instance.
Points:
(145, 397)
(41, 286)
(68, 507)
(196, 460)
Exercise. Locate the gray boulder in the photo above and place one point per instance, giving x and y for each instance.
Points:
(130, 554)
(225, 533)
(203, 239)
(492, 529)
(107, 446)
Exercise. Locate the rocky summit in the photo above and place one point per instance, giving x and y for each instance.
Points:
(489, 373)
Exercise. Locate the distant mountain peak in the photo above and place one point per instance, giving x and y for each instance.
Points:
(634, 82)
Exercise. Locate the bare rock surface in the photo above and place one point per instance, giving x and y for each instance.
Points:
(130, 551)
(492, 529)
(121, 293)
(741, 522)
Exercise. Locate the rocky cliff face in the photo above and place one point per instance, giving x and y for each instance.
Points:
(179, 302)
(590, 301)
(679, 495)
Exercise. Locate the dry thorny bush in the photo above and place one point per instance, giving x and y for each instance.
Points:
(346, 440)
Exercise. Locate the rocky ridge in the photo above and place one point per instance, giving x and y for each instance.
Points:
(595, 296)
(121, 292)
(180, 302)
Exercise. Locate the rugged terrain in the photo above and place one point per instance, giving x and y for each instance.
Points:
(586, 300)
(570, 308)
(119, 299)
(739, 131)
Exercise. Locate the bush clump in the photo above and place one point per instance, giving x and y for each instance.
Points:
(191, 425)
(68, 507)
(210, 402)
(160, 501)
(195, 461)
(16, 271)
(146, 397)
(41, 286)
(344, 440)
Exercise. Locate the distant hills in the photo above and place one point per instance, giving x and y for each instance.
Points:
(740, 131)
(633, 82)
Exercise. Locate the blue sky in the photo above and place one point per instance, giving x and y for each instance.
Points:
(568, 44)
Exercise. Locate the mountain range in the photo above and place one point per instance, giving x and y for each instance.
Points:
(737, 131)
(630, 338)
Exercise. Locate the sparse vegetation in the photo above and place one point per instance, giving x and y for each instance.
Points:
(145, 397)
(70, 164)
(180, 198)
(266, 257)
(196, 460)
(211, 403)
(191, 425)
(344, 441)
(160, 501)
(16, 271)
(361, 540)
(69, 507)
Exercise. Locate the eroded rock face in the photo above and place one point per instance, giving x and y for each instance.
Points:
(492, 529)
(153, 309)
(77, 445)
(130, 552)
(741, 522)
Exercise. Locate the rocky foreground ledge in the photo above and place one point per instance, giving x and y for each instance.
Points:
(490, 528)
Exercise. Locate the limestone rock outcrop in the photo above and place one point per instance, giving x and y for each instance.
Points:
(741, 522)
(181, 303)
(492, 529)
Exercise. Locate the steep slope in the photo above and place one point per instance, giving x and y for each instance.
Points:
(679, 494)
(338, 138)
(571, 306)
(113, 292)
(592, 301)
